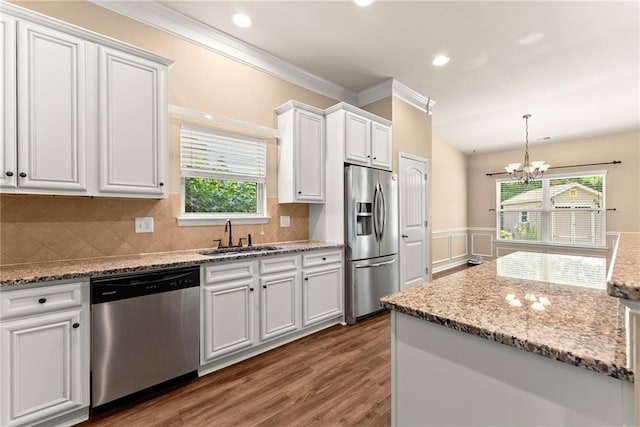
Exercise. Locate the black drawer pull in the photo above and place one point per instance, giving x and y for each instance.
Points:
(76, 325)
(324, 258)
(264, 286)
(9, 173)
(161, 184)
(42, 300)
(251, 289)
(306, 278)
(22, 175)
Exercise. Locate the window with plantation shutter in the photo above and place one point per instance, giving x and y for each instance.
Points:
(223, 176)
(557, 209)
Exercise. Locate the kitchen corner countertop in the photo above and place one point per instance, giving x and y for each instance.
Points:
(553, 305)
(17, 274)
(625, 278)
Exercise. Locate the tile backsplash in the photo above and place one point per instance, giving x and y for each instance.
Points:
(51, 228)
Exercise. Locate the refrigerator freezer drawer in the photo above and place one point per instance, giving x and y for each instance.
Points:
(367, 282)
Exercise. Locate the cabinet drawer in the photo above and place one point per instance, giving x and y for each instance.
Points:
(313, 259)
(229, 271)
(277, 264)
(25, 302)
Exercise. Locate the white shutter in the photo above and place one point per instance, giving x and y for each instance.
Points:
(207, 153)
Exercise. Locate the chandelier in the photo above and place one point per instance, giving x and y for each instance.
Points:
(530, 170)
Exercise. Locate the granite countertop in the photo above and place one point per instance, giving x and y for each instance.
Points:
(548, 304)
(625, 275)
(17, 274)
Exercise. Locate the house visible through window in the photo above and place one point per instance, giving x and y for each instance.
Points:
(223, 175)
(556, 209)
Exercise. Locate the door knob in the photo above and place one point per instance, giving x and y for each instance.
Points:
(404, 236)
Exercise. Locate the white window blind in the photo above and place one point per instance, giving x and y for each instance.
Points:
(210, 154)
(557, 209)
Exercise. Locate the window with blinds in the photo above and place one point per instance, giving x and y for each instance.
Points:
(222, 174)
(557, 209)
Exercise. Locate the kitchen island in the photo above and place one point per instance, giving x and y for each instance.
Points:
(559, 355)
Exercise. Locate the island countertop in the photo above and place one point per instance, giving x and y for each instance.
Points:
(553, 305)
(16, 274)
(625, 278)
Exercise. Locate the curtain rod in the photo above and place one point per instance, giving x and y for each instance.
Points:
(615, 162)
(199, 115)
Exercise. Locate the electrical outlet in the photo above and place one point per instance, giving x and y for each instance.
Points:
(285, 221)
(144, 224)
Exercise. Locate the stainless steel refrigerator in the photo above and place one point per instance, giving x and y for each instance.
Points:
(371, 214)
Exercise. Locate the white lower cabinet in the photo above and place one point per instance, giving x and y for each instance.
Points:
(228, 309)
(45, 354)
(322, 286)
(252, 306)
(278, 304)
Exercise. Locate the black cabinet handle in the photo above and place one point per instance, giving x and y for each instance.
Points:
(299, 192)
(22, 175)
(42, 300)
(9, 173)
(251, 289)
(368, 157)
(161, 184)
(404, 236)
(264, 286)
(324, 258)
(76, 325)
(375, 158)
(306, 278)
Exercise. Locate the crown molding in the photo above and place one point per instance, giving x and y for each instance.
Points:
(165, 19)
(392, 87)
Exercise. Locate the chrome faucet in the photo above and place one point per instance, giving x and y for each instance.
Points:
(228, 224)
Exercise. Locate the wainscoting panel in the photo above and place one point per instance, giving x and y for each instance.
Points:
(449, 247)
(482, 244)
(459, 247)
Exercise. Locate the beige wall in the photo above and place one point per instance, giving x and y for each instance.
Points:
(623, 181)
(39, 228)
(411, 131)
(382, 108)
(449, 178)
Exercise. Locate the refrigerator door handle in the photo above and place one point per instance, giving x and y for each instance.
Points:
(383, 205)
(376, 229)
(379, 264)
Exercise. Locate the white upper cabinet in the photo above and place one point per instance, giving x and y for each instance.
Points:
(300, 153)
(381, 147)
(8, 131)
(91, 111)
(357, 148)
(51, 109)
(366, 138)
(132, 137)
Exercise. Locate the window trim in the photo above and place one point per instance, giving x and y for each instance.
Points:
(547, 209)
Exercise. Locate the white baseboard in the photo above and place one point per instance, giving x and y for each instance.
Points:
(444, 267)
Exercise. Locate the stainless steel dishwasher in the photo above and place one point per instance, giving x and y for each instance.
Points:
(145, 330)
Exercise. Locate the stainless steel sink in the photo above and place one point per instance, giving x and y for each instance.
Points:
(239, 250)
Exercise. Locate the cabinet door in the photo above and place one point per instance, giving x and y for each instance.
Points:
(8, 165)
(227, 318)
(357, 139)
(278, 307)
(51, 110)
(381, 146)
(42, 367)
(309, 140)
(132, 121)
(322, 293)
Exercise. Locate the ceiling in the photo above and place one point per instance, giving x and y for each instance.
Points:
(580, 79)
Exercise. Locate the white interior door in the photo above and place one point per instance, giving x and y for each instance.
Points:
(413, 221)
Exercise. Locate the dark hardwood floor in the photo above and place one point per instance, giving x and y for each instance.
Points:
(337, 377)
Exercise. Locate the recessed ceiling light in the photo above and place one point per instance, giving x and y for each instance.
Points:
(363, 3)
(440, 60)
(241, 20)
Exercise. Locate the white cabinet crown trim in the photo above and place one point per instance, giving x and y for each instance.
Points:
(22, 13)
(359, 111)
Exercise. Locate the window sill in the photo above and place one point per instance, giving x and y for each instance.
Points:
(551, 245)
(201, 220)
